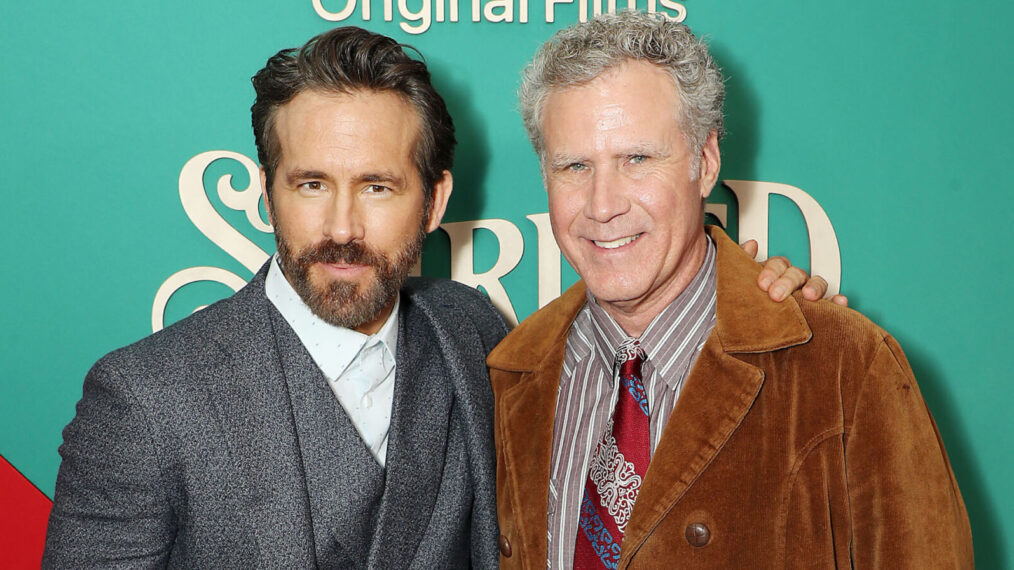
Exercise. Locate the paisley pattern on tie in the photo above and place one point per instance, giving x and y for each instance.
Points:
(604, 545)
(616, 479)
(627, 352)
(616, 469)
(636, 390)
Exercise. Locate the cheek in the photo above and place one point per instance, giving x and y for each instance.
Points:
(297, 225)
(393, 222)
(562, 222)
(561, 225)
(296, 240)
(563, 207)
(669, 197)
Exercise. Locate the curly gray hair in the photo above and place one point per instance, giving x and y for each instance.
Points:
(580, 53)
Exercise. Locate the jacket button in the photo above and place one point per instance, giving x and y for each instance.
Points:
(698, 534)
(505, 547)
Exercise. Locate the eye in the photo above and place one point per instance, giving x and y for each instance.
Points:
(577, 167)
(637, 159)
(311, 186)
(376, 189)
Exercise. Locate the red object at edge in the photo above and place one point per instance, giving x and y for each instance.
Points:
(24, 511)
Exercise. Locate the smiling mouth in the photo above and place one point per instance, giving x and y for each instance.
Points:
(617, 242)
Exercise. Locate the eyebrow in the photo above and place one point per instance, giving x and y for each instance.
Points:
(382, 176)
(294, 176)
(559, 161)
(646, 149)
(369, 177)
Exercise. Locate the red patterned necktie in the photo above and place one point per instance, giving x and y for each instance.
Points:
(616, 468)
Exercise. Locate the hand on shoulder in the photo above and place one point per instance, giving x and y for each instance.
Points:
(780, 279)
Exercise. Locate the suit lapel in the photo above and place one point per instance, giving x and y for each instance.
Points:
(249, 393)
(417, 442)
(716, 397)
(528, 413)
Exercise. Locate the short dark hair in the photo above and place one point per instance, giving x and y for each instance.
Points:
(345, 60)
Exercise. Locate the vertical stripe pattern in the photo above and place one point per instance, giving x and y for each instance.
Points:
(588, 392)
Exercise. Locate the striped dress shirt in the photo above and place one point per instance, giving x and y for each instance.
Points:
(588, 393)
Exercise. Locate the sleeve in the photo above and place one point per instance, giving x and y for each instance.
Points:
(111, 508)
(905, 505)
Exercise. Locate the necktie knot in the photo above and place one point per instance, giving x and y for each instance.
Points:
(629, 357)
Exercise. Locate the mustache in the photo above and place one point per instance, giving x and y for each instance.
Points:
(354, 253)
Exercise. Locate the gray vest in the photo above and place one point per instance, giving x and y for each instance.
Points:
(357, 507)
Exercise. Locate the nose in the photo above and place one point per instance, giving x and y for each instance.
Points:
(343, 221)
(606, 198)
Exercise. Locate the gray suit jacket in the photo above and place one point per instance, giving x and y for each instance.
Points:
(216, 443)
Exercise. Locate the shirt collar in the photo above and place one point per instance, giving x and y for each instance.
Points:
(657, 340)
(332, 347)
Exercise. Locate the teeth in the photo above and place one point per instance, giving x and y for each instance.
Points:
(616, 242)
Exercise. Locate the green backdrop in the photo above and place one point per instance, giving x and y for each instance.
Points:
(896, 117)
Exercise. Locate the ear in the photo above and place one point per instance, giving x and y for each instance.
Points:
(711, 163)
(441, 194)
(264, 194)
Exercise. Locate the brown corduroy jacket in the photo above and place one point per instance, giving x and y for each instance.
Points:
(800, 440)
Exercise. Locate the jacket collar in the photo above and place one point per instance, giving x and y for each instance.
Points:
(252, 401)
(747, 321)
(720, 390)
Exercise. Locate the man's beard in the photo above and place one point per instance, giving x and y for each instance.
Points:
(344, 303)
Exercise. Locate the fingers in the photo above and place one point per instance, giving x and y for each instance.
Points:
(792, 279)
(773, 269)
(815, 288)
(780, 279)
(750, 246)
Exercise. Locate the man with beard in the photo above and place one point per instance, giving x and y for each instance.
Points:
(332, 413)
(317, 418)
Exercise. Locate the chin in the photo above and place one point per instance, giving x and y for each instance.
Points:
(612, 292)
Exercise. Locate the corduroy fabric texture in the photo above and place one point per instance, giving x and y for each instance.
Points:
(800, 440)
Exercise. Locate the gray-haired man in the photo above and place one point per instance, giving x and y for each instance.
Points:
(662, 413)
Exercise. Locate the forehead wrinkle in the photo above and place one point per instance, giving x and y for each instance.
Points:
(611, 117)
